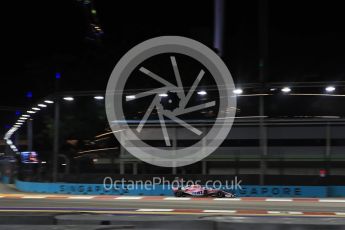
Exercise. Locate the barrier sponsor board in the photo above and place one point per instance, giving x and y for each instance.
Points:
(92, 189)
(282, 191)
(5, 180)
(336, 191)
(157, 190)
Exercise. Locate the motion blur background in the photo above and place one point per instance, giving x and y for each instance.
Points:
(286, 57)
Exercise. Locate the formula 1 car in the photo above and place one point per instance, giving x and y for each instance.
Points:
(200, 191)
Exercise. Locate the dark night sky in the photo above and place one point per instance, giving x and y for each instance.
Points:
(306, 41)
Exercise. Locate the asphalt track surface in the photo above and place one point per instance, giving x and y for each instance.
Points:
(157, 205)
(109, 205)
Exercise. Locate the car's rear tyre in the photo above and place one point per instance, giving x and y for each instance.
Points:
(220, 194)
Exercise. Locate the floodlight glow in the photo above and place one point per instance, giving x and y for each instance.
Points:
(68, 98)
(286, 89)
(330, 89)
(202, 92)
(98, 97)
(130, 97)
(237, 91)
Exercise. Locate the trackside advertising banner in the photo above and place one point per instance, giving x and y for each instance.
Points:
(157, 190)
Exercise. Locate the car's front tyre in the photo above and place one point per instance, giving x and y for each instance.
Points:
(179, 193)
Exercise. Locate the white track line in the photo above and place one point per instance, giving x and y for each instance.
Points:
(177, 198)
(81, 197)
(340, 213)
(278, 199)
(57, 196)
(228, 199)
(273, 212)
(129, 198)
(295, 213)
(332, 200)
(33, 197)
(154, 210)
(220, 211)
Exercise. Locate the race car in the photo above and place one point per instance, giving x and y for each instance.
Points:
(200, 191)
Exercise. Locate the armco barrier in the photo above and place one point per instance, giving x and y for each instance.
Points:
(336, 191)
(92, 189)
(5, 180)
(158, 190)
(282, 191)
